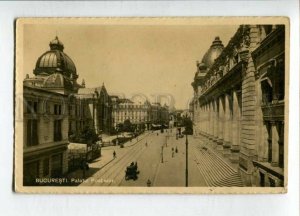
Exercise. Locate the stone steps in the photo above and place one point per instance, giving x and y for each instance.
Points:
(215, 171)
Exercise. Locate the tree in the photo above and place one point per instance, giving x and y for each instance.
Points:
(188, 124)
(127, 126)
(120, 127)
(89, 135)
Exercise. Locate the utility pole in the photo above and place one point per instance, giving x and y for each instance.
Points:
(162, 154)
(186, 153)
(186, 161)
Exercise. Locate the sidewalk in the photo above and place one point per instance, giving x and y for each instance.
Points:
(105, 159)
(96, 165)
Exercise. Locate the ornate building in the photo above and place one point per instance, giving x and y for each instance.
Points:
(56, 107)
(124, 109)
(144, 115)
(46, 114)
(159, 114)
(98, 113)
(54, 71)
(238, 104)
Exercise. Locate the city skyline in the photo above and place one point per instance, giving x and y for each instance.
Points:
(131, 60)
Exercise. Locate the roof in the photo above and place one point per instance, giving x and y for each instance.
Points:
(125, 100)
(43, 90)
(55, 60)
(212, 53)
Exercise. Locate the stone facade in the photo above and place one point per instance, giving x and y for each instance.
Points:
(45, 134)
(56, 107)
(141, 114)
(238, 103)
(95, 109)
(138, 114)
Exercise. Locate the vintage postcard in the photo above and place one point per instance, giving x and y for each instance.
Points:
(151, 105)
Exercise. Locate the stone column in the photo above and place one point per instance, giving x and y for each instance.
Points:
(207, 120)
(248, 126)
(227, 126)
(235, 128)
(216, 121)
(200, 119)
(211, 120)
(264, 143)
(221, 124)
(275, 144)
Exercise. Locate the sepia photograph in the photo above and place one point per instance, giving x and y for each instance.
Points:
(151, 105)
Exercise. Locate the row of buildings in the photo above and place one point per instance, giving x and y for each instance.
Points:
(239, 100)
(56, 109)
(144, 115)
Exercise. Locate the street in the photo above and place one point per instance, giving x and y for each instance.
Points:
(158, 166)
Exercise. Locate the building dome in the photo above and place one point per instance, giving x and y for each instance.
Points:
(55, 59)
(213, 52)
(57, 80)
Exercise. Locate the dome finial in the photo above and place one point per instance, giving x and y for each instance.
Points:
(56, 44)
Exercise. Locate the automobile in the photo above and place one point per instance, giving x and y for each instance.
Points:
(131, 172)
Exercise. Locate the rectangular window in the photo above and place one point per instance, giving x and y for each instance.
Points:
(267, 91)
(262, 179)
(57, 109)
(56, 165)
(281, 144)
(46, 167)
(30, 173)
(31, 107)
(272, 182)
(57, 130)
(35, 107)
(28, 105)
(32, 132)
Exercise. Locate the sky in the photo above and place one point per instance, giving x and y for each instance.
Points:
(149, 61)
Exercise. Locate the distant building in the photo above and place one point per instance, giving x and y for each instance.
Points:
(125, 109)
(100, 107)
(142, 114)
(159, 114)
(239, 102)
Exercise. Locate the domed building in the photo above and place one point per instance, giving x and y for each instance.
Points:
(239, 105)
(213, 52)
(207, 61)
(55, 71)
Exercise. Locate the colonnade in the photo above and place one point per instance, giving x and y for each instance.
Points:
(219, 120)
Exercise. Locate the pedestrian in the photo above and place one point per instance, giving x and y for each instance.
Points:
(176, 150)
(149, 183)
(114, 154)
(146, 144)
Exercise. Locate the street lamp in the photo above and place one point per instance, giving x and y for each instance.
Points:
(186, 155)
(166, 140)
(162, 153)
(117, 141)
